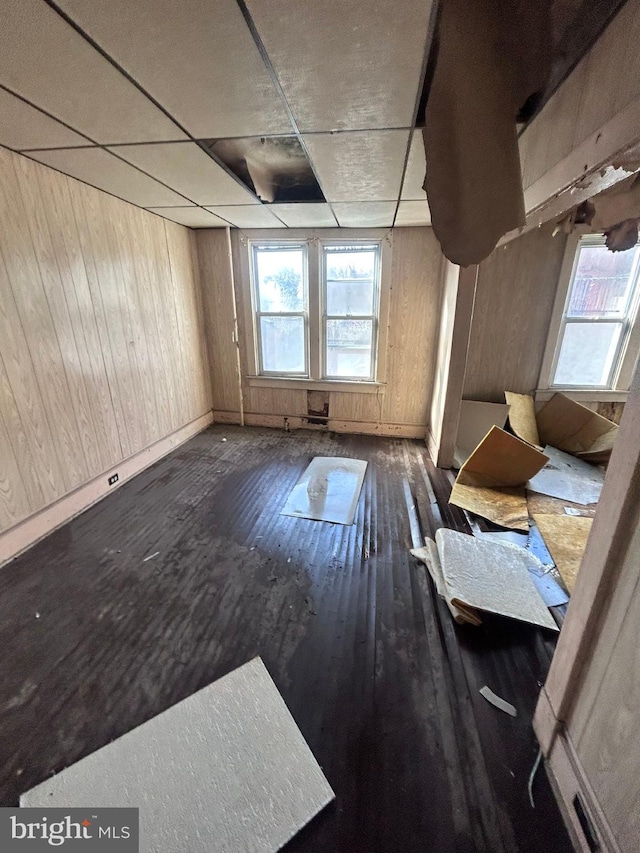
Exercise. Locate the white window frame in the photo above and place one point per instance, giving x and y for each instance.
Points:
(628, 345)
(374, 318)
(314, 241)
(273, 246)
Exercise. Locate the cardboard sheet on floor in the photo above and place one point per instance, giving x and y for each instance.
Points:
(568, 478)
(476, 419)
(225, 770)
(567, 425)
(490, 576)
(566, 538)
(522, 417)
(328, 490)
(491, 482)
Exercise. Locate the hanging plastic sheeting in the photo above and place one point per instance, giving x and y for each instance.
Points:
(493, 55)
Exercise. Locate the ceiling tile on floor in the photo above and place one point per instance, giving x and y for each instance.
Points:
(192, 217)
(360, 166)
(416, 166)
(365, 214)
(413, 213)
(198, 59)
(248, 216)
(46, 61)
(186, 168)
(101, 169)
(23, 126)
(305, 215)
(346, 65)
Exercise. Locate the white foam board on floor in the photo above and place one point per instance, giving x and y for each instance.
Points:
(223, 771)
(328, 490)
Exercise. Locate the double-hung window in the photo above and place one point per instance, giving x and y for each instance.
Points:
(596, 326)
(350, 300)
(280, 283)
(316, 309)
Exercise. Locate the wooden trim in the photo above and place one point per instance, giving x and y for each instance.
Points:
(316, 385)
(236, 338)
(333, 424)
(595, 396)
(599, 572)
(555, 324)
(568, 779)
(40, 524)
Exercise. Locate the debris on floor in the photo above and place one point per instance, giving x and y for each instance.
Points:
(512, 491)
(481, 575)
(498, 701)
(235, 738)
(566, 538)
(476, 419)
(492, 481)
(328, 490)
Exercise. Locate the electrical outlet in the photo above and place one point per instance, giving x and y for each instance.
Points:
(113, 479)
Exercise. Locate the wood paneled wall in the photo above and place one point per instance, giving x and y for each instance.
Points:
(399, 408)
(515, 293)
(101, 345)
(591, 117)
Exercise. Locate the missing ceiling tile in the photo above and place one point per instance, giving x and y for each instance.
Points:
(276, 168)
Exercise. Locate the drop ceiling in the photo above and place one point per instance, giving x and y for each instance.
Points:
(123, 96)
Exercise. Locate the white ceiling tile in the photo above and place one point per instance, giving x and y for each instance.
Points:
(46, 61)
(413, 213)
(186, 168)
(196, 58)
(416, 167)
(23, 126)
(365, 214)
(346, 65)
(251, 216)
(305, 214)
(361, 166)
(101, 169)
(192, 217)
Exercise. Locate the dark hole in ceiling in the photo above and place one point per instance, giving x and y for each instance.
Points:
(276, 168)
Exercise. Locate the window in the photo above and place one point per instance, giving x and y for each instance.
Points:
(280, 283)
(316, 309)
(350, 300)
(597, 321)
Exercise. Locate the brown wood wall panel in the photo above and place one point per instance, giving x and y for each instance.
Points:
(514, 300)
(215, 278)
(413, 325)
(603, 83)
(101, 345)
(415, 280)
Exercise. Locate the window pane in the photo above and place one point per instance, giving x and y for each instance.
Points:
(601, 283)
(349, 348)
(587, 353)
(350, 281)
(280, 279)
(282, 340)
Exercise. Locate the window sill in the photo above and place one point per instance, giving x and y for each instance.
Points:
(348, 386)
(582, 396)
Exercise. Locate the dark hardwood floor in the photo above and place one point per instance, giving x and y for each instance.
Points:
(384, 686)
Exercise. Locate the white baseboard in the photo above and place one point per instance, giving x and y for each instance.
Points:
(26, 533)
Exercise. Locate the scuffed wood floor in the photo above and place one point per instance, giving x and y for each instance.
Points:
(96, 640)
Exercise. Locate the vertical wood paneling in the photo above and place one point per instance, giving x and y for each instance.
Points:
(14, 502)
(101, 350)
(215, 279)
(601, 86)
(413, 324)
(414, 292)
(514, 299)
